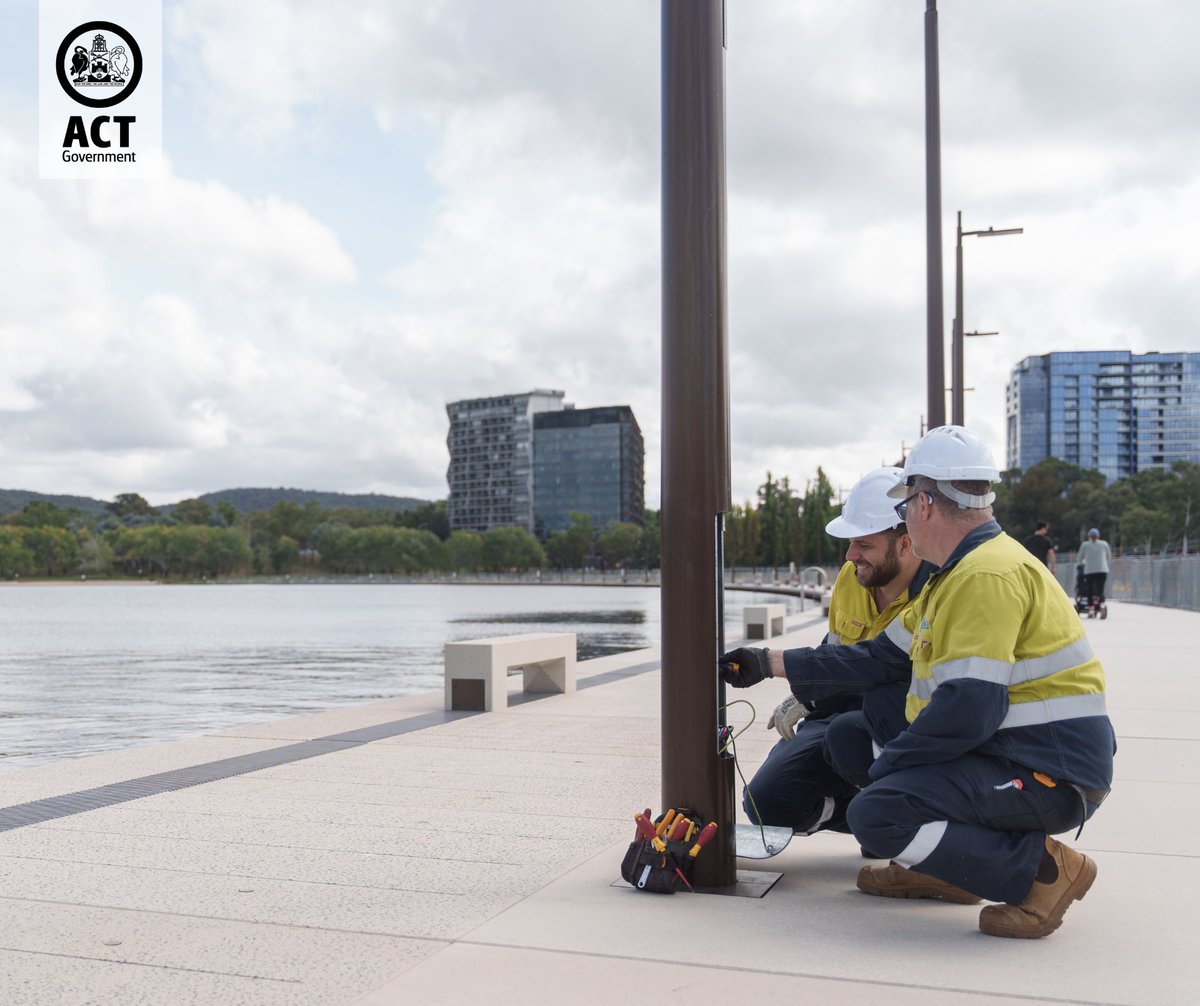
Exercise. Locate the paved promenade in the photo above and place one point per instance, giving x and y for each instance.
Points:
(391, 853)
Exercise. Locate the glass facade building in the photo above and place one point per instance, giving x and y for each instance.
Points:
(591, 461)
(491, 459)
(1110, 410)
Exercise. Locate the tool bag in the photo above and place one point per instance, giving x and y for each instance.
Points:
(647, 869)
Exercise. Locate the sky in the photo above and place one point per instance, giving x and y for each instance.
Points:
(372, 209)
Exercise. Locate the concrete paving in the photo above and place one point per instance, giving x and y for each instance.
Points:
(476, 858)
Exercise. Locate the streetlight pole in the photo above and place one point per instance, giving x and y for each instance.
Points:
(956, 337)
(935, 358)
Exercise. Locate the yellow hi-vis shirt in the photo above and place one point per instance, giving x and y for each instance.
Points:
(853, 615)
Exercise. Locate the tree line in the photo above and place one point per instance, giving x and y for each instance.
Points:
(1153, 512)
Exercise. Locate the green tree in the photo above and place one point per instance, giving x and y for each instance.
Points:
(427, 517)
(464, 551)
(649, 555)
(511, 548)
(130, 505)
(41, 513)
(192, 511)
(15, 559)
(570, 549)
(618, 543)
(817, 547)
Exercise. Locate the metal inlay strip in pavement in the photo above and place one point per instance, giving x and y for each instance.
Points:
(50, 808)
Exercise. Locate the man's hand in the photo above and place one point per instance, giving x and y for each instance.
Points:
(745, 666)
(787, 714)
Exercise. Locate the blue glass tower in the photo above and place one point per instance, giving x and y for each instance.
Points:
(1110, 410)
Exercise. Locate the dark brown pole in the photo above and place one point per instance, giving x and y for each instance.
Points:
(935, 340)
(695, 422)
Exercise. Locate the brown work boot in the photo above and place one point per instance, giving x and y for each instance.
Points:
(1044, 906)
(893, 881)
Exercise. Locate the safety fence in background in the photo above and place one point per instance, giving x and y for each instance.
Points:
(1170, 581)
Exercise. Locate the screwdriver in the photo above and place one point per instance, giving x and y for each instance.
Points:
(678, 829)
(647, 830)
(706, 833)
(648, 833)
(665, 823)
(639, 834)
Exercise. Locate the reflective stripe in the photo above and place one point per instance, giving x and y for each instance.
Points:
(999, 672)
(922, 688)
(921, 847)
(832, 637)
(1033, 668)
(899, 635)
(876, 750)
(1068, 707)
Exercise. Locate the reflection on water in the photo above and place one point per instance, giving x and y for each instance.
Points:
(91, 668)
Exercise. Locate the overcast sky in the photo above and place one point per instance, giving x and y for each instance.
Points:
(374, 208)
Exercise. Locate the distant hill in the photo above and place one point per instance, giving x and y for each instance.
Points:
(243, 500)
(16, 500)
(249, 500)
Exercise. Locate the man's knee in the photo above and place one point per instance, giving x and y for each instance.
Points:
(876, 820)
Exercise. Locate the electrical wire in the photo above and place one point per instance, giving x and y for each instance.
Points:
(731, 746)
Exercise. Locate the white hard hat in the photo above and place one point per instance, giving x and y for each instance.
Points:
(947, 453)
(868, 509)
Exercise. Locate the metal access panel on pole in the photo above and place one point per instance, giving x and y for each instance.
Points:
(695, 423)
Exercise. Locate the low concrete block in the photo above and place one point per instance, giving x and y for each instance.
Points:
(476, 670)
(762, 621)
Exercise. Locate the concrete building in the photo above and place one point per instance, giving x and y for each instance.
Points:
(589, 460)
(1110, 410)
(491, 459)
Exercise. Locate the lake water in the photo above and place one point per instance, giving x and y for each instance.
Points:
(86, 668)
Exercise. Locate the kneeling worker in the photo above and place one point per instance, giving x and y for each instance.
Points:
(1008, 742)
(796, 787)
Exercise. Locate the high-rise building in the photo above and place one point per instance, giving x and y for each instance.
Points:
(591, 461)
(491, 459)
(1110, 410)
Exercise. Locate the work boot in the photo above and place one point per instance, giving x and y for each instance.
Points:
(1044, 906)
(894, 881)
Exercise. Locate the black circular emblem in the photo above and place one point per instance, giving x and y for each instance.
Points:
(99, 64)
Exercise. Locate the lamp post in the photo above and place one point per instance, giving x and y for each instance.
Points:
(956, 337)
(935, 365)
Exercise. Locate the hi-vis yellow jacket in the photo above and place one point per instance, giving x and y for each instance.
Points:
(853, 616)
(1001, 666)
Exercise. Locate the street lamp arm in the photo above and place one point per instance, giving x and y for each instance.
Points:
(991, 232)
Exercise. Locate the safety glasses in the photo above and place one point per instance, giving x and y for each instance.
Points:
(901, 508)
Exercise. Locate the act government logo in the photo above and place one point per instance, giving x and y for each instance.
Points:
(99, 64)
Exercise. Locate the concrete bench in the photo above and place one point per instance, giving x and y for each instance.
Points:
(477, 669)
(762, 621)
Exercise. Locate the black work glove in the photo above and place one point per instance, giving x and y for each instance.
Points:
(745, 666)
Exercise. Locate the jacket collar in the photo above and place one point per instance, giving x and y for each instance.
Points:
(971, 541)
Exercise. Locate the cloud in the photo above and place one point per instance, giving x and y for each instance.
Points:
(236, 339)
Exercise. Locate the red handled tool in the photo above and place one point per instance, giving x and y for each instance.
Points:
(702, 839)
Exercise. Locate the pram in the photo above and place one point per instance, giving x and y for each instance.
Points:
(1083, 598)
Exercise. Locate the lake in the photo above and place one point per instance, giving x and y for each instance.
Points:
(86, 668)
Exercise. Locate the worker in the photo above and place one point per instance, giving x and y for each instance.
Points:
(1009, 741)
(796, 787)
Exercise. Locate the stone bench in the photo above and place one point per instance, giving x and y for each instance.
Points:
(477, 669)
(762, 621)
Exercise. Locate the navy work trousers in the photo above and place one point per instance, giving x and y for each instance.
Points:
(800, 786)
(977, 822)
(790, 788)
(848, 744)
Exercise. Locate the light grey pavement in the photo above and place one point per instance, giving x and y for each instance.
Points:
(475, 859)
